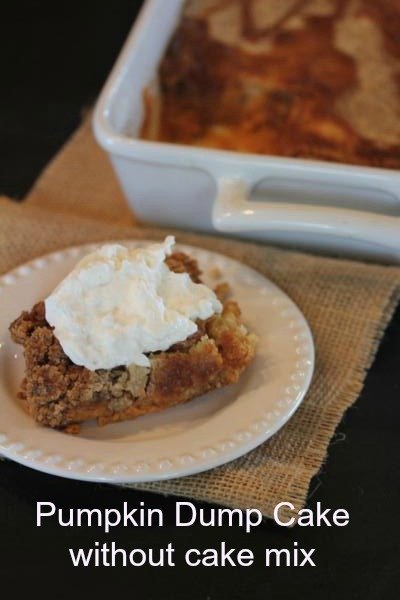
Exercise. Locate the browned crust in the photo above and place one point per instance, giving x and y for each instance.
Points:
(179, 262)
(60, 394)
(280, 101)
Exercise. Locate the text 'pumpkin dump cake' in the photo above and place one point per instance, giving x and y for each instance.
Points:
(128, 332)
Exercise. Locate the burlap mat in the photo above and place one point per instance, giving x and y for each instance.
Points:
(347, 304)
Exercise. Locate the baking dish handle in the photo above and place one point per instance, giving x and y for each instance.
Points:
(234, 212)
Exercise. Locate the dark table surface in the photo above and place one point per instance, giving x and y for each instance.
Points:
(56, 57)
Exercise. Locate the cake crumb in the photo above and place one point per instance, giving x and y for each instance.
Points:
(215, 273)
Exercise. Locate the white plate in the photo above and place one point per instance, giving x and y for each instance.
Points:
(183, 440)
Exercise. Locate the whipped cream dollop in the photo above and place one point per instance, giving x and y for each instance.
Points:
(119, 303)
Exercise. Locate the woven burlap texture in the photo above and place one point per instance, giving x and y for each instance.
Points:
(347, 304)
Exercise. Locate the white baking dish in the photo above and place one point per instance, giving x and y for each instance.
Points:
(312, 204)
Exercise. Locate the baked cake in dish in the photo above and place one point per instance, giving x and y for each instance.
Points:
(60, 394)
(316, 79)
